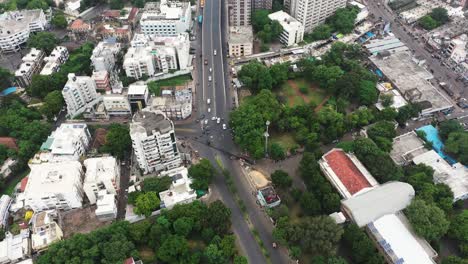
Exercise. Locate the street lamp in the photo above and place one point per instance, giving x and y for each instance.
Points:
(266, 135)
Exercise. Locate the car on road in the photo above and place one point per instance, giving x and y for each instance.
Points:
(206, 62)
(209, 78)
(208, 101)
(206, 121)
(218, 120)
(224, 126)
(214, 52)
(213, 118)
(211, 70)
(209, 110)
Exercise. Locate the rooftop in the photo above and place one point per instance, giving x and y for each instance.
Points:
(240, 35)
(148, 122)
(15, 21)
(98, 169)
(65, 138)
(455, 176)
(288, 22)
(397, 240)
(166, 10)
(369, 206)
(406, 147)
(179, 191)
(348, 169)
(389, 43)
(412, 80)
(9, 142)
(79, 24)
(138, 88)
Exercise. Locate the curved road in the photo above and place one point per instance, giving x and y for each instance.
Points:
(211, 36)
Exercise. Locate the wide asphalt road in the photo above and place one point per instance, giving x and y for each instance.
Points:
(213, 142)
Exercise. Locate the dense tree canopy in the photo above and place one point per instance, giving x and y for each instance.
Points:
(44, 41)
(118, 141)
(382, 133)
(343, 20)
(59, 20)
(436, 18)
(428, 220)
(281, 179)
(447, 127)
(156, 184)
(147, 203)
(202, 174)
(53, 103)
(457, 146)
(6, 78)
(256, 77)
(361, 247)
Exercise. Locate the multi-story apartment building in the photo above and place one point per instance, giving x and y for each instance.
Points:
(154, 142)
(168, 18)
(32, 64)
(262, 4)
(104, 56)
(240, 41)
(117, 104)
(138, 62)
(102, 80)
(57, 57)
(54, 186)
(16, 26)
(175, 105)
(79, 93)
(240, 12)
(293, 31)
(311, 13)
(101, 174)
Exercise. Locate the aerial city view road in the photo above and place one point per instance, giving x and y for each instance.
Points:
(234, 131)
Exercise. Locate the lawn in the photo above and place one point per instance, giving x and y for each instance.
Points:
(155, 86)
(147, 255)
(286, 140)
(299, 91)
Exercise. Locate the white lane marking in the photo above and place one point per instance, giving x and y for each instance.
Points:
(212, 60)
(202, 58)
(222, 56)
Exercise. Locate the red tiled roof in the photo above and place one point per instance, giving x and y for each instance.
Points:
(129, 261)
(133, 13)
(9, 142)
(111, 13)
(347, 172)
(79, 24)
(24, 181)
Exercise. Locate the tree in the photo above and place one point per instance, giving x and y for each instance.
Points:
(368, 94)
(138, 231)
(309, 204)
(37, 4)
(281, 179)
(459, 226)
(45, 41)
(277, 151)
(156, 184)
(139, 3)
(53, 103)
(59, 21)
(382, 133)
(240, 260)
(331, 124)
(440, 15)
(321, 32)
(343, 20)
(427, 22)
(219, 217)
(361, 246)
(327, 76)
(447, 127)
(146, 203)
(42, 85)
(320, 235)
(116, 4)
(256, 77)
(228, 246)
(454, 260)
(118, 141)
(406, 112)
(457, 146)
(428, 220)
(173, 249)
(202, 174)
(214, 255)
(6, 77)
(279, 73)
(260, 19)
(183, 226)
(328, 260)
(386, 99)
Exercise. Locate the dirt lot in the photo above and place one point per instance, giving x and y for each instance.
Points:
(80, 221)
(289, 165)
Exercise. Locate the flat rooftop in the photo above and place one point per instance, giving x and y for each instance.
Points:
(288, 22)
(240, 35)
(151, 121)
(412, 80)
(349, 172)
(406, 147)
(455, 176)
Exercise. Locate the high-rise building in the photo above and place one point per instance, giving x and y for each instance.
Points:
(167, 18)
(101, 174)
(239, 12)
(312, 13)
(154, 142)
(32, 64)
(293, 31)
(79, 93)
(240, 41)
(262, 4)
(105, 55)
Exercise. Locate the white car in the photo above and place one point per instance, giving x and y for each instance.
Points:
(208, 101)
(218, 120)
(209, 78)
(224, 126)
(206, 121)
(209, 110)
(214, 52)
(211, 70)
(213, 118)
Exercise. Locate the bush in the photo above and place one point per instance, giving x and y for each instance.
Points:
(304, 89)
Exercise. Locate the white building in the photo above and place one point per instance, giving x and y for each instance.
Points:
(14, 248)
(179, 192)
(79, 93)
(104, 56)
(5, 202)
(102, 80)
(293, 31)
(458, 49)
(139, 62)
(455, 176)
(68, 142)
(117, 104)
(240, 41)
(106, 206)
(239, 12)
(176, 105)
(54, 186)
(32, 64)
(72, 7)
(363, 11)
(45, 231)
(101, 174)
(16, 26)
(311, 13)
(154, 142)
(53, 62)
(169, 18)
(138, 95)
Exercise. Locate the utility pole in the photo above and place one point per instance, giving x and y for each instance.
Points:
(266, 135)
